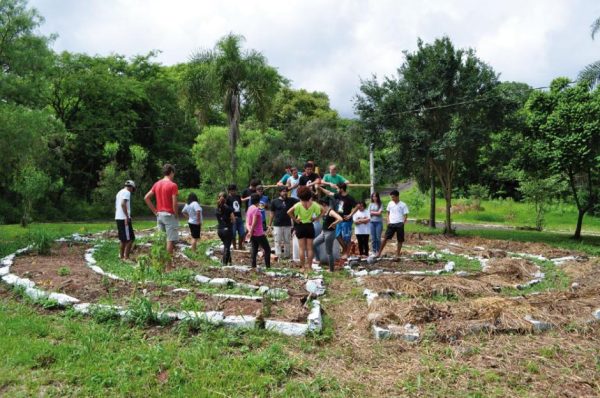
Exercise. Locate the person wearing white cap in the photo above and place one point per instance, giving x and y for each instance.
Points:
(123, 219)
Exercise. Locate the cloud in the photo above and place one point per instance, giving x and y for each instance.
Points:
(329, 45)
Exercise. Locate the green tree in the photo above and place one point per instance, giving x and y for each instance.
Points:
(591, 73)
(232, 79)
(540, 192)
(32, 185)
(565, 129)
(439, 110)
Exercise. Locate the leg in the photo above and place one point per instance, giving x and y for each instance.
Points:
(379, 230)
(278, 241)
(122, 250)
(264, 243)
(127, 249)
(254, 244)
(347, 236)
(309, 254)
(400, 236)
(329, 239)
(317, 242)
(287, 242)
(302, 248)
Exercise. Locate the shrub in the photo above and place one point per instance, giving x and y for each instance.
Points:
(41, 241)
(477, 193)
(64, 271)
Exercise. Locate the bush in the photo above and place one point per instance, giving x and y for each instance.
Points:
(41, 241)
(477, 193)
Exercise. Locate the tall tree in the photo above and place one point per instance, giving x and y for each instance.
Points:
(440, 111)
(591, 73)
(565, 128)
(234, 79)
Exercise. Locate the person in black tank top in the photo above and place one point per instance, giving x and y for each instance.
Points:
(225, 220)
(327, 235)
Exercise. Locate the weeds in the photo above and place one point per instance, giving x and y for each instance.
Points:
(64, 271)
(41, 241)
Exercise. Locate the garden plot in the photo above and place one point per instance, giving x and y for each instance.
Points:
(518, 289)
(71, 272)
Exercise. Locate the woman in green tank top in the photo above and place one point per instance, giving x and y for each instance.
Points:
(304, 213)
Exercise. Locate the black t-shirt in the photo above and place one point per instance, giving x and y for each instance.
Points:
(344, 204)
(235, 203)
(246, 193)
(280, 208)
(304, 179)
(224, 216)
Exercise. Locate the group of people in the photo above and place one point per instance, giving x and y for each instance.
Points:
(316, 210)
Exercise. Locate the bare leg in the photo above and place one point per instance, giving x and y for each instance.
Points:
(240, 242)
(398, 249)
(383, 242)
(343, 245)
(122, 250)
(127, 249)
(302, 247)
(309, 254)
(170, 247)
(194, 244)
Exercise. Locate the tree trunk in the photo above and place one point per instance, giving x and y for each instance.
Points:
(432, 201)
(448, 223)
(580, 215)
(234, 132)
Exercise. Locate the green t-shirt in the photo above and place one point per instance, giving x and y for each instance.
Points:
(306, 215)
(336, 179)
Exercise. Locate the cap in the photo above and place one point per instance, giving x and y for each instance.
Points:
(130, 183)
(260, 188)
(282, 188)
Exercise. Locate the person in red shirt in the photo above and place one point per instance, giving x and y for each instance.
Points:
(166, 211)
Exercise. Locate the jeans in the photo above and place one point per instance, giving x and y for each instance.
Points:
(226, 236)
(376, 230)
(344, 229)
(328, 237)
(261, 241)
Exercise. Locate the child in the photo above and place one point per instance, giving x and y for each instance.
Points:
(362, 219)
(194, 213)
(256, 233)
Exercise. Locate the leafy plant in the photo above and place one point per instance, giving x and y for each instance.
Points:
(41, 241)
(477, 193)
(191, 303)
(141, 312)
(64, 271)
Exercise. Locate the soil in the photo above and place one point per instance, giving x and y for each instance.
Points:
(294, 285)
(404, 264)
(87, 286)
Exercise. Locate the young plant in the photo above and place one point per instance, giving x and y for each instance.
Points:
(64, 271)
(41, 242)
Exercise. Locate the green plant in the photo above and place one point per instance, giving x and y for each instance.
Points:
(141, 312)
(41, 241)
(477, 193)
(64, 271)
(191, 303)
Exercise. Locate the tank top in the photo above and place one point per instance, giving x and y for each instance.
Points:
(327, 221)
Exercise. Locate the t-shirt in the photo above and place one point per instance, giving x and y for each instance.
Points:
(122, 195)
(336, 179)
(284, 178)
(164, 190)
(306, 215)
(235, 202)
(361, 229)
(223, 214)
(246, 193)
(293, 181)
(344, 204)
(254, 213)
(397, 211)
(375, 207)
(263, 205)
(280, 207)
(309, 177)
(191, 210)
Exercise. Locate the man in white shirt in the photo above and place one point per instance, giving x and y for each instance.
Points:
(123, 219)
(396, 218)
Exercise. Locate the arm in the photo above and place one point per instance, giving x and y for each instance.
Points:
(377, 212)
(338, 218)
(199, 216)
(148, 200)
(251, 226)
(349, 216)
(271, 217)
(175, 207)
(232, 218)
(326, 192)
(290, 213)
(124, 207)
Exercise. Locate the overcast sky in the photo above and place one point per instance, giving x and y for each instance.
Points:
(330, 45)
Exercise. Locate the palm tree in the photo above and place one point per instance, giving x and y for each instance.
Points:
(591, 73)
(231, 79)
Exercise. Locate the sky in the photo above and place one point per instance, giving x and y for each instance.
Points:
(329, 46)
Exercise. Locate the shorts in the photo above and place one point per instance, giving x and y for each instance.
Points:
(125, 232)
(344, 229)
(238, 227)
(195, 230)
(168, 223)
(305, 231)
(398, 229)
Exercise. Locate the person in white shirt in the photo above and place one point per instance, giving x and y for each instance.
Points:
(362, 220)
(396, 218)
(123, 219)
(193, 212)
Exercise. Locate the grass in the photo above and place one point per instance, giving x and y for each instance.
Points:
(506, 212)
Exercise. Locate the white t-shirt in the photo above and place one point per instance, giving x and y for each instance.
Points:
(362, 229)
(122, 195)
(293, 181)
(397, 211)
(191, 210)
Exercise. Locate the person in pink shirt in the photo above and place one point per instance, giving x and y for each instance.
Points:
(166, 211)
(256, 233)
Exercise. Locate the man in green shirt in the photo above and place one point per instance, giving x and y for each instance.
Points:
(332, 179)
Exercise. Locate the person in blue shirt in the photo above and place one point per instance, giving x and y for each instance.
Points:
(263, 205)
